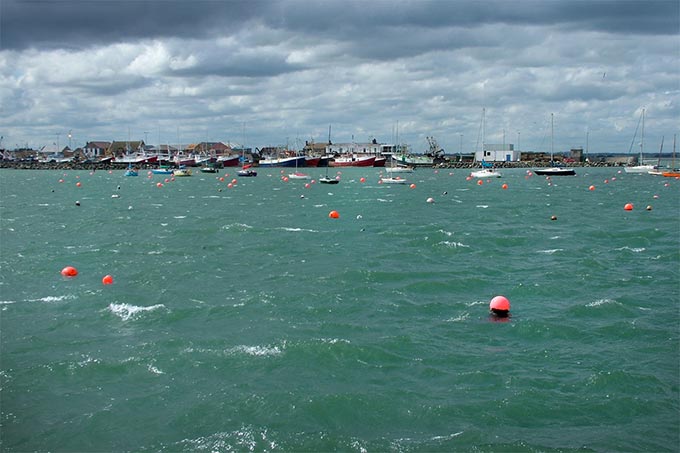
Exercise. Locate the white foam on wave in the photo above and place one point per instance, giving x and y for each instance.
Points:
(453, 244)
(127, 311)
(7, 302)
(238, 226)
(295, 230)
(259, 351)
(599, 302)
(550, 251)
(462, 317)
(632, 249)
(179, 217)
(50, 299)
(448, 233)
(155, 370)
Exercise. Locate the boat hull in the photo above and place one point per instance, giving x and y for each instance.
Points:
(359, 161)
(283, 162)
(555, 172)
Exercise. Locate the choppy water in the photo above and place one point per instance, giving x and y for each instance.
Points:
(245, 319)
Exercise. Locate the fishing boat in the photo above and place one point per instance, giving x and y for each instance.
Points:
(282, 161)
(229, 161)
(641, 167)
(353, 160)
(554, 170)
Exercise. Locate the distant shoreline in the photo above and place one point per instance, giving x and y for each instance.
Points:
(93, 166)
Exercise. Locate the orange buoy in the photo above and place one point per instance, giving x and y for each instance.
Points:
(628, 207)
(412, 186)
(334, 215)
(159, 184)
(78, 184)
(69, 271)
(107, 280)
(499, 306)
(504, 186)
(480, 182)
(362, 179)
(591, 188)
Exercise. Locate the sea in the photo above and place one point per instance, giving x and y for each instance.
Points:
(242, 317)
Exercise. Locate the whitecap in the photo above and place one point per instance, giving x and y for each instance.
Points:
(483, 206)
(53, 298)
(180, 217)
(155, 370)
(127, 311)
(453, 244)
(259, 351)
(632, 249)
(295, 230)
(6, 302)
(599, 302)
(550, 251)
(448, 233)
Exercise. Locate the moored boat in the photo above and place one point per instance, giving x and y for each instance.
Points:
(353, 160)
(282, 161)
(182, 171)
(486, 173)
(229, 161)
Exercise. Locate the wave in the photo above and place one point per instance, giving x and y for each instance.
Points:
(259, 351)
(50, 299)
(127, 311)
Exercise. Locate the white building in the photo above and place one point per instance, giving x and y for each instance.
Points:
(498, 153)
(373, 148)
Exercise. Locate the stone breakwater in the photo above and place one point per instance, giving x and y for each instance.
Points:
(92, 166)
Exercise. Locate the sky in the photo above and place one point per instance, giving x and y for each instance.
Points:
(271, 73)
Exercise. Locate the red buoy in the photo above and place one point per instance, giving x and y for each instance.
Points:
(628, 207)
(69, 271)
(334, 215)
(107, 280)
(500, 306)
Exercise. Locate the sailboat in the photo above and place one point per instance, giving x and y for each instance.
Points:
(554, 171)
(657, 168)
(674, 172)
(328, 180)
(487, 170)
(641, 167)
(246, 170)
(297, 174)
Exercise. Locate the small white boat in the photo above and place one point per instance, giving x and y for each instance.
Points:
(298, 175)
(486, 173)
(182, 172)
(391, 180)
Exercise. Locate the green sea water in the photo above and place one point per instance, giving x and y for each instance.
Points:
(246, 319)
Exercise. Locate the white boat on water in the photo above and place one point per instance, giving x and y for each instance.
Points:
(641, 168)
(392, 180)
(486, 173)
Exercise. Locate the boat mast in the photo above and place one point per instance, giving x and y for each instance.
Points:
(552, 133)
(642, 139)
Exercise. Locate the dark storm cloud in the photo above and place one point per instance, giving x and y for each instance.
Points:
(83, 23)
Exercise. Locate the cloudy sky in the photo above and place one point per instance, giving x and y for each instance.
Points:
(268, 72)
